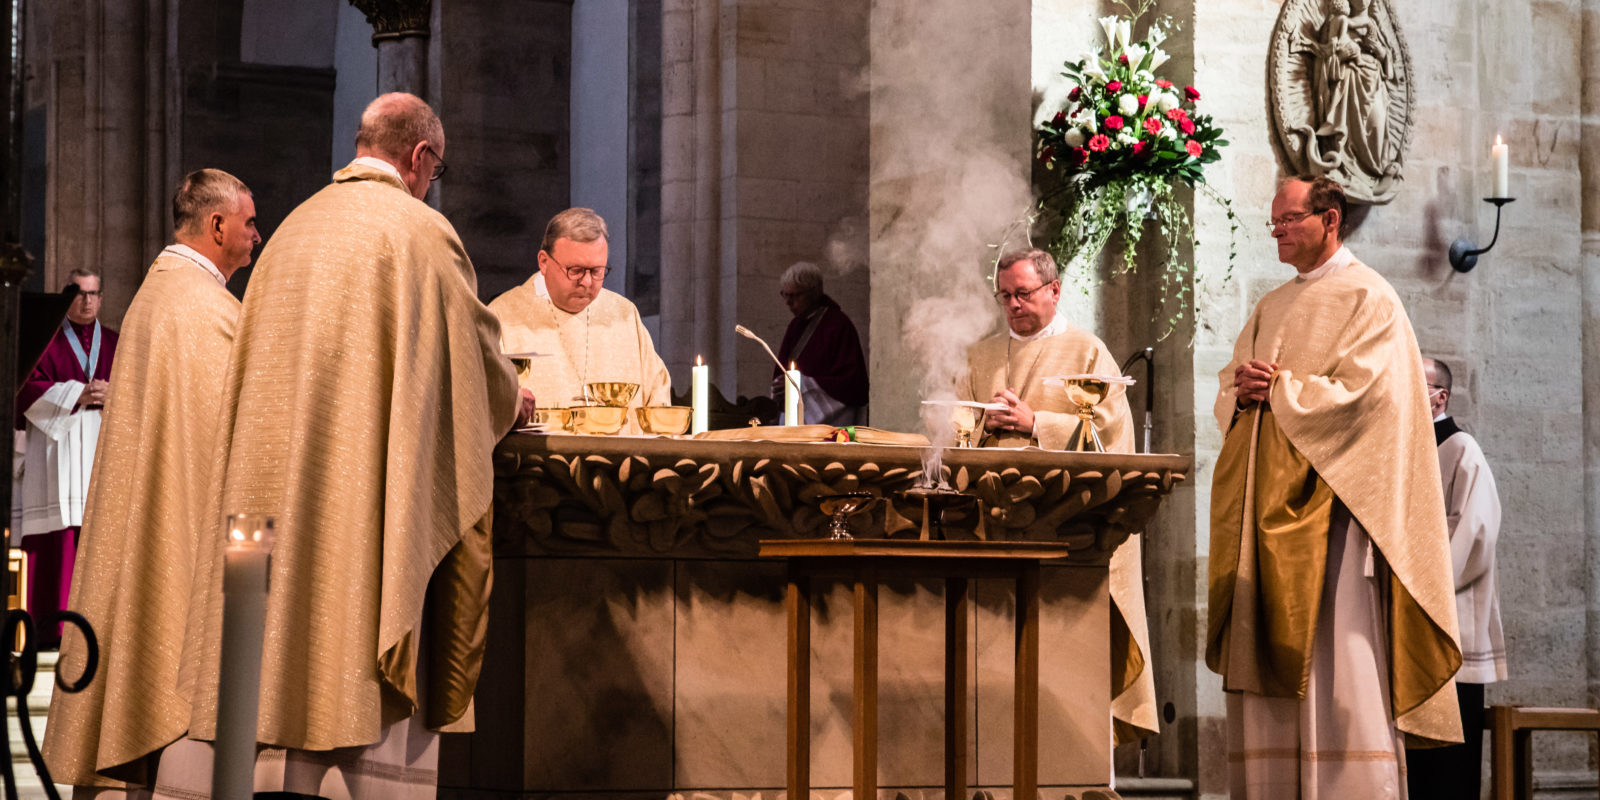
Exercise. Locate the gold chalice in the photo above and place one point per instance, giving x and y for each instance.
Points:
(839, 507)
(664, 420)
(1086, 392)
(598, 420)
(555, 419)
(524, 367)
(966, 417)
(966, 420)
(616, 394)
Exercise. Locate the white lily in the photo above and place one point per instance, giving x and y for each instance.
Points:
(1158, 57)
(1091, 69)
(1128, 104)
(1135, 54)
(1110, 26)
(1156, 35)
(1124, 31)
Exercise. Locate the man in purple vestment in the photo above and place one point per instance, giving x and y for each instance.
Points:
(823, 344)
(58, 407)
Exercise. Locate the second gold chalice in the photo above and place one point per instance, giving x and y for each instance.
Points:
(839, 507)
(1086, 392)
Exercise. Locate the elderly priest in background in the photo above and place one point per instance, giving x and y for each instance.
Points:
(1009, 369)
(823, 344)
(1332, 613)
(363, 399)
(150, 501)
(589, 334)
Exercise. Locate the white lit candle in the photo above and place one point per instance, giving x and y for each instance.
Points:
(699, 395)
(791, 397)
(1502, 169)
(246, 562)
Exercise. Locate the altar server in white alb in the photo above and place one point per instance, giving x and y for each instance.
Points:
(59, 408)
(1472, 510)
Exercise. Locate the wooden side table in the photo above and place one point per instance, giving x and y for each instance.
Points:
(867, 561)
(1511, 743)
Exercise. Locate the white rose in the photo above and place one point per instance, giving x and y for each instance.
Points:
(1144, 76)
(1127, 138)
(1158, 58)
(1169, 132)
(1166, 101)
(1128, 105)
(1075, 137)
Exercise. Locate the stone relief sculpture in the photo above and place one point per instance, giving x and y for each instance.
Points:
(1340, 90)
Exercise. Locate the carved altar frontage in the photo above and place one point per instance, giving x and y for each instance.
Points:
(637, 643)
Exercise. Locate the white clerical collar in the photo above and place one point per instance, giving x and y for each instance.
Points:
(1339, 260)
(1056, 326)
(538, 285)
(378, 163)
(1441, 417)
(190, 254)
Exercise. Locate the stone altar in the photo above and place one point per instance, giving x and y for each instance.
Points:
(636, 644)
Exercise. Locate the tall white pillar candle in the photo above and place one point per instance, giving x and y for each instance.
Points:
(699, 396)
(791, 397)
(1502, 169)
(247, 560)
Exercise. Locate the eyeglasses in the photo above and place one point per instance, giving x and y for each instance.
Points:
(439, 165)
(1003, 297)
(1289, 219)
(1436, 389)
(82, 293)
(576, 274)
(790, 295)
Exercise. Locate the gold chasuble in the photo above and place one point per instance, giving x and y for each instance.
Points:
(149, 502)
(1348, 422)
(365, 394)
(606, 341)
(1001, 362)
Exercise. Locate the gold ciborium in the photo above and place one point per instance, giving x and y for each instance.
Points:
(598, 420)
(555, 419)
(616, 394)
(664, 420)
(839, 507)
(1086, 392)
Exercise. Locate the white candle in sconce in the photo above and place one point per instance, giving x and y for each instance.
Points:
(699, 396)
(792, 411)
(1502, 169)
(246, 565)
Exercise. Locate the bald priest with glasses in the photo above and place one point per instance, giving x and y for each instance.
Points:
(588, 333)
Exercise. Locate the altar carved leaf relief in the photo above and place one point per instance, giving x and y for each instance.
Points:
(1341, 94)
(621, 504)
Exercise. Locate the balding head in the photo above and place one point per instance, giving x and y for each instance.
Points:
(1440, 384)
(403, 130)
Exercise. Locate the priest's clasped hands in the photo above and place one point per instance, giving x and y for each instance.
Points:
(1252, 382)
(1016, 416)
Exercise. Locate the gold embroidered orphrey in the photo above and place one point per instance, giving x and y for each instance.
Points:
(1341, 94)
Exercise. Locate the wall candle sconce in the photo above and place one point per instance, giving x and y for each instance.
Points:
(1463, 252)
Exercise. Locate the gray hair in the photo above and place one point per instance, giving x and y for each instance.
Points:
(581, 225)
(393, 124)
(802, 275)
(1044, 264)
(202, 193)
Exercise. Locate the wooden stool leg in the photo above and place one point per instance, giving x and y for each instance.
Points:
(1502, 763)
(956, 652)
(865, 722)
(1522, 741)
(797, 597)
(1026, 713)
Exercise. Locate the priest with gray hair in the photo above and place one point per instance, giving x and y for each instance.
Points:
(822, 343)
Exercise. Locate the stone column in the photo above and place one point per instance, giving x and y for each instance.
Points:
(1589, 169)
(400, 32)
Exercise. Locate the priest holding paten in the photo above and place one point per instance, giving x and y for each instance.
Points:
(363, 399)
(1332, 603)
(59, 408)
(150, 501)
(1009, 369)
(584, 332)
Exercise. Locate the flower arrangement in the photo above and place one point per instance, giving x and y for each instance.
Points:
(1123, 140)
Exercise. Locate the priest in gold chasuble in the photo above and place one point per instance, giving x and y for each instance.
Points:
(1010, 369)
(150, 500)
(364, 396)
(584, 332)
(1332, 610)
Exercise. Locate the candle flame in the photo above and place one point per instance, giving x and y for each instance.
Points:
(699, 361)
(792, 366)
(1497, 140)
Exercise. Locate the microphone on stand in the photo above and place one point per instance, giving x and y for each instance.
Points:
(749, 334)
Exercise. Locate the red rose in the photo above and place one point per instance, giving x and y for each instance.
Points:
(1113, 87)
(1060, 119)
(1077, 92)
(1045, 154)
(1080, 156)
(1177, 114)
(1099, 143)
(1123, 58)
(1193, 147)
(1186, 125)
(1164, 83)
(1114, 123)
(1153, 125)
(1143, 98)
(1138, 147)
(1192, 93)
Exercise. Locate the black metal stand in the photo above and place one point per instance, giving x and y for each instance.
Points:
(1463, 253)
